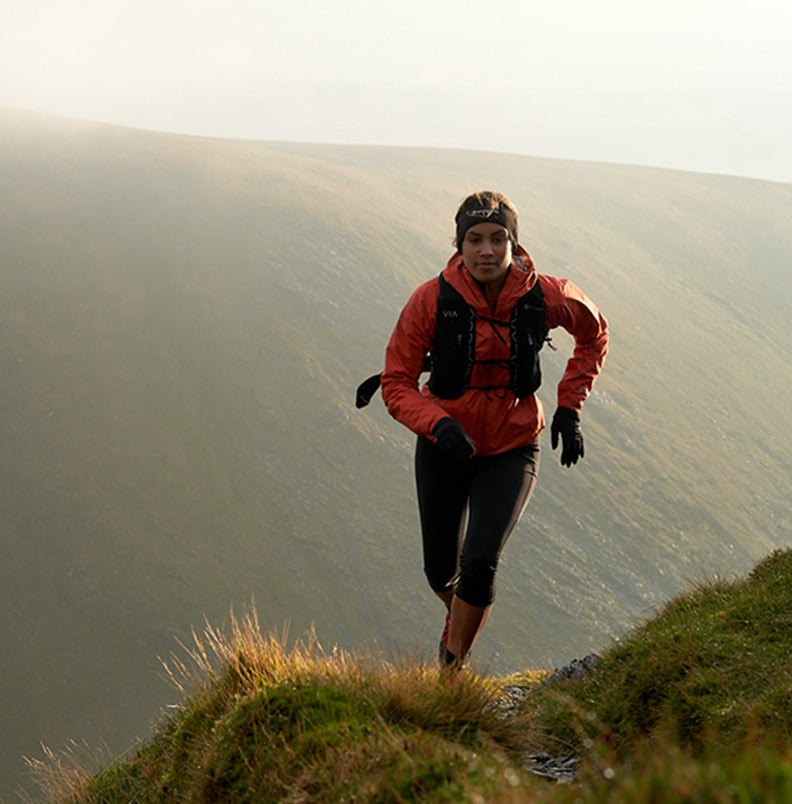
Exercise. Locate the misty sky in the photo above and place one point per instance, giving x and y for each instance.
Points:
(691, 84)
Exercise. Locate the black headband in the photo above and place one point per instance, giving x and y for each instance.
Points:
(501, 215)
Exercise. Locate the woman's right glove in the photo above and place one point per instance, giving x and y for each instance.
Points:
(451, 437)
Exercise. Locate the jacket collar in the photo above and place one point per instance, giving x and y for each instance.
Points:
(520, 280)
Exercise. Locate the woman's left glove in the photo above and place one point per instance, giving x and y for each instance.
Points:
(566, 422)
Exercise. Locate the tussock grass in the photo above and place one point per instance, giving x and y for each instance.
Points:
(266, 722)
(692, 706)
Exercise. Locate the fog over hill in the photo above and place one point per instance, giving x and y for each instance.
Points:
(184, 322)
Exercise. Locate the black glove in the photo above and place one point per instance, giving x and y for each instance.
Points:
(567, 422)
(451, 437)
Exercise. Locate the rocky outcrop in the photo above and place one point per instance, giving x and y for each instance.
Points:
(559, 768)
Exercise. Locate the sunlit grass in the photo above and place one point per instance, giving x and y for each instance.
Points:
(693, 706)
(712, 669)
(264, 721)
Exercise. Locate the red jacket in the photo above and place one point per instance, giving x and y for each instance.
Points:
(496, 420)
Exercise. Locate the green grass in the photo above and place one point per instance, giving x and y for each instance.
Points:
(693, 706)
(712, 669)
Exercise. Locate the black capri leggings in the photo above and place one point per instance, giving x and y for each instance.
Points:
(468, 510)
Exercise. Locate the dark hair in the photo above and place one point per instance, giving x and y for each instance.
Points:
(474, 208)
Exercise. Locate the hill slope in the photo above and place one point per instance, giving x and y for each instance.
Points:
(184, 322)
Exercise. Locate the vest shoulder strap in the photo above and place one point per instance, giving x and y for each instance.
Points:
(528, 334)
(454, 344)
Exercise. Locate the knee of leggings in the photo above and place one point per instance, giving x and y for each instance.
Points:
(440, 583)
(477, 582)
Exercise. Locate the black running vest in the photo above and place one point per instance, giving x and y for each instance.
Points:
(452, 356)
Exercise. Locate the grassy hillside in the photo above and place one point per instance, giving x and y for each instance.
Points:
(694, 705)
(184, 322)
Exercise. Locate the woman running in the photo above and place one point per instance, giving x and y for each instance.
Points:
(478, 328)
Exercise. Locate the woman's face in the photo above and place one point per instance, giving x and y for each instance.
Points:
(487, 254)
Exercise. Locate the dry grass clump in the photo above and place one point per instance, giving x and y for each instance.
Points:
(265, 721)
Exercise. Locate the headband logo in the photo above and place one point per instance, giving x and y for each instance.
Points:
(482, 213)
